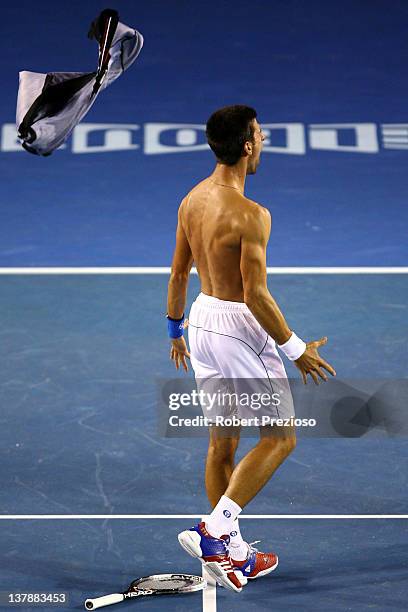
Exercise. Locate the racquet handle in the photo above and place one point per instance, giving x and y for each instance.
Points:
(106, 600)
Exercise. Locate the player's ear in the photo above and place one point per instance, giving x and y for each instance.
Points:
(248, 147)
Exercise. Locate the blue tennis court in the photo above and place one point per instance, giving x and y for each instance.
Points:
(93, 494)
(81, 439)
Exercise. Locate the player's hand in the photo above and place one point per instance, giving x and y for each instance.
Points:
(311, 363)
(179, 351)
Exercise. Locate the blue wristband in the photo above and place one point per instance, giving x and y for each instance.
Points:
(175, 327)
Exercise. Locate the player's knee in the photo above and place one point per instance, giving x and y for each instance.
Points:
(222, 450)
(284, 444)
(289, 444)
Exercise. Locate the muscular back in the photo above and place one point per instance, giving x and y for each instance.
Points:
(215, 220)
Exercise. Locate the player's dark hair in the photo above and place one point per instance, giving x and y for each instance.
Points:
(227, 131)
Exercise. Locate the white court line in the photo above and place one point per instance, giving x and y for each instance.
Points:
(60, 517)
(166, 270)
(210, 593)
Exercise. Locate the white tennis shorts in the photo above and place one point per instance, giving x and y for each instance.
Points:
(231, 351)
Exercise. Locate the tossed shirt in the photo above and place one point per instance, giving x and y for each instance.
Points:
(50, 105)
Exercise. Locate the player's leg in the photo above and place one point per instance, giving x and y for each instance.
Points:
(258, 466)
(245, 558)
(220, 461)
(249, 477)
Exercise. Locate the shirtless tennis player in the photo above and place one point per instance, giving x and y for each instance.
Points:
(234, 327)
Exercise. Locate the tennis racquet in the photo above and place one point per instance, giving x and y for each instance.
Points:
(159, 584)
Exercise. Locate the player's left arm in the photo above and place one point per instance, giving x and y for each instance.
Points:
(177, 290)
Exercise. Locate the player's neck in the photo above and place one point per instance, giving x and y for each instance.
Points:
(230, 176)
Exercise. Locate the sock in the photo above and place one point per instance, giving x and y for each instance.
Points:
(221, 520)
(238, 547)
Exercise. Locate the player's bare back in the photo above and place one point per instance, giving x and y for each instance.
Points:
(214, 218)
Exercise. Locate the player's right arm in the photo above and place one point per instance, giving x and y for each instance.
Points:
(254, 276)
(259, 300)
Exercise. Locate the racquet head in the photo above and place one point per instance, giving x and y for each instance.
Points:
(169, 583)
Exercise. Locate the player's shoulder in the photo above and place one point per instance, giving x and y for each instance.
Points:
(183, 204)
(188, 196)
(257, 211)
(256, 221)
